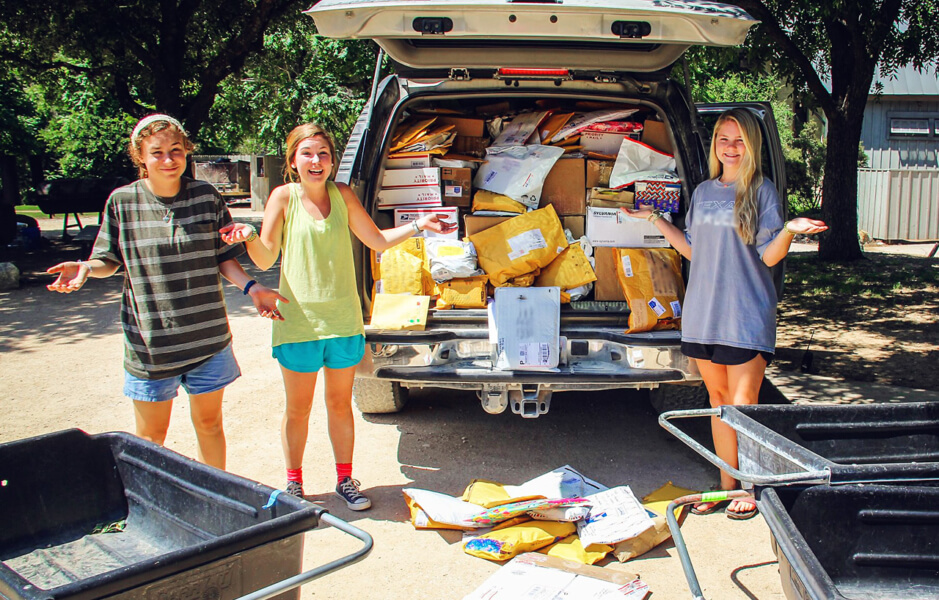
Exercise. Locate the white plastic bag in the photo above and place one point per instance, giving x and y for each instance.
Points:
(451, 258)
(636, 160)
(517, 171)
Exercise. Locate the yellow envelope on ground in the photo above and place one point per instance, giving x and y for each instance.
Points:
(656, 502)
(571, 548)
(489, 494)
(400, 312)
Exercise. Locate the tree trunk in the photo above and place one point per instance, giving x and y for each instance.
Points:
(839, 190)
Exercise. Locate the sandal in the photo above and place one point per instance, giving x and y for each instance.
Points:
(710, 507)
(742, 515)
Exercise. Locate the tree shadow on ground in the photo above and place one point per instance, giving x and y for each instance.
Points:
(874, 320)
(33, 315)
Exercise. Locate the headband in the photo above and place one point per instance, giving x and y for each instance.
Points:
(144, 122)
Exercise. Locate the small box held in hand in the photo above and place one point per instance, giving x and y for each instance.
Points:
(658, 194)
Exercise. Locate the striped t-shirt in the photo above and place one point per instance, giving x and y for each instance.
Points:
(173, 307)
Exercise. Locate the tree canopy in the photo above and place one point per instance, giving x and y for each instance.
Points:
(170, 56)
(829, 53)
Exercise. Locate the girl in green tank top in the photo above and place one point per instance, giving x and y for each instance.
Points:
(308, 221)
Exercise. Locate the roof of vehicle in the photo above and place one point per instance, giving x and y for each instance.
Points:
(615, 35)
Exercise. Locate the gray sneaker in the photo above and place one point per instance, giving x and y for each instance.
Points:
(294, 488)
(348, 490)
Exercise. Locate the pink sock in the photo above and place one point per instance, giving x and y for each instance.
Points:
(343, 470)
(295, 475)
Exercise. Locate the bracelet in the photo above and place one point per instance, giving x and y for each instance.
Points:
(789, 231)
(416, 228)
(248, 286)
(655, 216)
(252, 236)
(87, 264)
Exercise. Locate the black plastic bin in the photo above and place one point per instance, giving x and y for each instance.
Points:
(866, 542)
(185, 530)
(779, 445)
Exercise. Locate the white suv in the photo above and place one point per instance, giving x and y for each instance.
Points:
(461, 55)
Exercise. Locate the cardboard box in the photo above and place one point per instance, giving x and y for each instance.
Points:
(418, 161)
(535, 575)
(470, 145)
(397, 178)
(464, 126)
(474, 224)
(409, 196)
(564, 187)
(654, 134)
(404, 216)
(607, 198)
(613, 227)
(606, 287)
(598, 173)
(575, 224)
(604, 142)
(457, 186)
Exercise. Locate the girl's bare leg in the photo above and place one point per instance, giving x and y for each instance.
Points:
(295, 426)
(206, 412)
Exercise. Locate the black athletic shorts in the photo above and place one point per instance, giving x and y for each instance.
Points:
(723, 355)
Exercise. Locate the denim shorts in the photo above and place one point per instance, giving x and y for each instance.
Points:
(211, 376)
(310, 357)
(723, 355)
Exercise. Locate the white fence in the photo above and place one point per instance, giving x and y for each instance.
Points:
(899, 204)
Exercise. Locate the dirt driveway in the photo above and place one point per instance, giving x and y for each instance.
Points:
(60, 367)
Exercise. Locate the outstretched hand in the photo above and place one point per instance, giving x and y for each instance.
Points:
(436, 224)
(235, 233)
(72, 276)
(806, 226)
(639, 213)
(265, 300)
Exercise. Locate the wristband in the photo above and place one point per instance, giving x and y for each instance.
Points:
(416, 228)
(252, 236)
(248, 286)
(655, 216)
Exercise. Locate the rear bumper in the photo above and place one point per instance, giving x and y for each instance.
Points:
(590, 359)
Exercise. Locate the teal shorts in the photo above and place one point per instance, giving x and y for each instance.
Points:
(310, 357)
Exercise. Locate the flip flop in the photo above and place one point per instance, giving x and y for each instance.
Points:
(742, 515)
(712, 508)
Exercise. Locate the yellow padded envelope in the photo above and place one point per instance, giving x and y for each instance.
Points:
(520, 245)
(400, 312)
(570, 270)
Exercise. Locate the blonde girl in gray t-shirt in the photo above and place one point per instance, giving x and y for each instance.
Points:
(736, 228)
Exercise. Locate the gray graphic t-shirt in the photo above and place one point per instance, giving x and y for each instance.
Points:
(731, 299)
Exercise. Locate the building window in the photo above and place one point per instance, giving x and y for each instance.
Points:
(913, 126)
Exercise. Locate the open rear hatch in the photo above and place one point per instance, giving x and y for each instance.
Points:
(584, 35)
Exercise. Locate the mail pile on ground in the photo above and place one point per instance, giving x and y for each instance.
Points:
(560, 513)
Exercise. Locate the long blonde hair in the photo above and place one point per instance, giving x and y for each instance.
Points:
(750, 174)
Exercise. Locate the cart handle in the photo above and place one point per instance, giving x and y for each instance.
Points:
(307, 576)
(679, 540)
(768, 480)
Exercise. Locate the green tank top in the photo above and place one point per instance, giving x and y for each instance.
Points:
(317, 274)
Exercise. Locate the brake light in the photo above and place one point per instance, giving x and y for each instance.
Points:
(512, 72)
